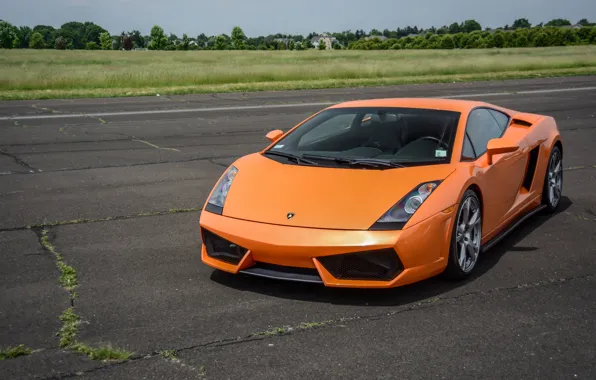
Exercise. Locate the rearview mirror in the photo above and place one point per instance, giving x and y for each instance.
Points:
(273, 136)
(499, 146)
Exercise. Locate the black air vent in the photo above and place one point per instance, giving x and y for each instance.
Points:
(222, 249)
(531, 169)
(381, 265)
(521, 122)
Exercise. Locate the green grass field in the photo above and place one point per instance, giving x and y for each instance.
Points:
(39, 74)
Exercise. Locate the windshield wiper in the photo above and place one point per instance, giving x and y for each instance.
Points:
(375, 162)
(290, 156)
(357, 161)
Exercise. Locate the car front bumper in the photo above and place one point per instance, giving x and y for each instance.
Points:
(335, 258)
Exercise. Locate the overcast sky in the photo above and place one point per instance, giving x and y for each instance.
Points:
(262, 17)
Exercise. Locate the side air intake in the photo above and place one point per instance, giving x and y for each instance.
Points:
(523, 123)
(531, 168)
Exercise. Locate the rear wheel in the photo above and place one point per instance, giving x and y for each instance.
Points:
(466, 238)
(553, 180)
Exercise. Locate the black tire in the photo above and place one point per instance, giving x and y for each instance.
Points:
(550, 203)
(454, 271)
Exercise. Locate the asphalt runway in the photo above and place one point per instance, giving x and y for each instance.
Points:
(119, 183)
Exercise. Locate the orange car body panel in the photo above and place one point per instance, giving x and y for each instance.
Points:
(336, 207)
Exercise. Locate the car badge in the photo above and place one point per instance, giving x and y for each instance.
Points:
(290, 215)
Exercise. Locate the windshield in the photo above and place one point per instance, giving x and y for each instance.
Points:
(370, 137)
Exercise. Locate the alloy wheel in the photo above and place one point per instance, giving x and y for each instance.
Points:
(468, 236)
(555, 178)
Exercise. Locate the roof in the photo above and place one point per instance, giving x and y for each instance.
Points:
(458, 105)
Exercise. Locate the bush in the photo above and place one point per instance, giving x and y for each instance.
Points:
(105, 41)
(36, 41)
(60, 43)
(92, 46)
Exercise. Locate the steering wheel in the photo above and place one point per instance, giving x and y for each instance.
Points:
(440, 142)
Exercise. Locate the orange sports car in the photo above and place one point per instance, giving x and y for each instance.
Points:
(382, 193)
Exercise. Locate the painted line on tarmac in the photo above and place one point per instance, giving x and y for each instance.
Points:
(271, 106)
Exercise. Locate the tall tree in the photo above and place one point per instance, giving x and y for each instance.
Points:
(558, 22)
(105, 41)
(9, 36)
(238, 38)
(127, 42)
(469, 26)
(159, 41)
(25, 33)
(521, 23)
(185, 42)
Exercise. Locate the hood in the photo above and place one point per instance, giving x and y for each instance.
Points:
(265, 191)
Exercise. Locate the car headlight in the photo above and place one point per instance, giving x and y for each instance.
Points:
(402, 211)
(217, 199)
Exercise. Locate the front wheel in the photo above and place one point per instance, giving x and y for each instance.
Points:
(465, 238)
(553, 180)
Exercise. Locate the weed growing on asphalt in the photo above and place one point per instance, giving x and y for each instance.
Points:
(311, 325)
(70, 319)
(101, 353)
(274, 331)
(68, 275)
(68, 334)
(14, 352)
(168, 354)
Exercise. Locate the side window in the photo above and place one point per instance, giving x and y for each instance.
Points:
(500, 118)
(333, 126)
(482, 127)
(468, 151)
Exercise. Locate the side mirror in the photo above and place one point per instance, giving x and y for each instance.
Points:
(273, 136)
(499, 146)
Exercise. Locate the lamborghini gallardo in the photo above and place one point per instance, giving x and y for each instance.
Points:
(382, 193)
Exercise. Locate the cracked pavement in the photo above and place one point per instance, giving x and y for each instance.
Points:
(120, 196)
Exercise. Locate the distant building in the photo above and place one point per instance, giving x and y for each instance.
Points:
(323, 38)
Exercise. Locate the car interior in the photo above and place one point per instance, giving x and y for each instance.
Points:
(385, 135)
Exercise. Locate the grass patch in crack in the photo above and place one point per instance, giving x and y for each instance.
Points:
(101, 353)
(168, 354)
(70, 327)
(177, 210)
(68, 334)
(68, 275)
(70, 319)
(14, 352)
(311, 325)
(274, 331)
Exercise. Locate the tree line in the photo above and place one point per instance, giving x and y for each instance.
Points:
(465, 35)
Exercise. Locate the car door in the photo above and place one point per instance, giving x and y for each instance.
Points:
(500, 181)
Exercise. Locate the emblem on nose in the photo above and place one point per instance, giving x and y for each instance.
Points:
(290, 215)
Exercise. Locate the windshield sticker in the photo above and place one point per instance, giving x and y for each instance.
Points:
(440, 153)
(278, 146)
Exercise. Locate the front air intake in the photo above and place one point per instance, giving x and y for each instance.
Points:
(222, 249)
(379, 265)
